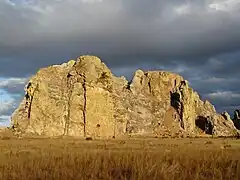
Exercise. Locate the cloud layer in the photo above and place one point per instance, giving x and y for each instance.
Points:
(199, 39)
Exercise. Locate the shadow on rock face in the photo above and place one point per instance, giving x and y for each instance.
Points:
(175, 100)
(236, 119)
(200, 122)
(204, 124)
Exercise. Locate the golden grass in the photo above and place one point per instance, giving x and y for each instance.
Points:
(163, 159)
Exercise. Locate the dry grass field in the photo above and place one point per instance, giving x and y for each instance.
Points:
(150, 158)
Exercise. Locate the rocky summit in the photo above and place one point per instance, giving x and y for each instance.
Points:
(83, 98)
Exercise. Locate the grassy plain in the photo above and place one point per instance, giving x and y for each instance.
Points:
(139, 158)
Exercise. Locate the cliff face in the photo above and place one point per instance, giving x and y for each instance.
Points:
(84, 98)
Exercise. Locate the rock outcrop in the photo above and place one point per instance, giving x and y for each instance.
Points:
(83, 98)
(236, 119)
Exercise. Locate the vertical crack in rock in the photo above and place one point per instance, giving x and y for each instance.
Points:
(149, 86)
(30, 91)
(181, 106)
(70, 91)
(177, 102)
(29, 110)
(181, 115)
(30, 107)
(114, 128)
(85, 103)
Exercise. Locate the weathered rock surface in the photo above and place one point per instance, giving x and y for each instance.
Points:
(84, 98)
(236, 119)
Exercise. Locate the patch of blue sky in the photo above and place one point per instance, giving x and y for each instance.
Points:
(5, 98)
(4, 121)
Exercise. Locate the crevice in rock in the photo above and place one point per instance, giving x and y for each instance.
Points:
(30, 91)
(30, 108)
(175, 100)
(85, 104)
(181, 116)
(70, 91)
(149, 86)
(128, 86)
(30, 105)
(177, 104)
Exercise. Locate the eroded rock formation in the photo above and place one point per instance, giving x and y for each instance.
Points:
(84, 98)
(236, 119)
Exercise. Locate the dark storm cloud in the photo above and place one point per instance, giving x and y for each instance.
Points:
(199, 39)
(46, 32)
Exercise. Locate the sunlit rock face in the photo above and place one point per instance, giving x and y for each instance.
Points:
(83, 98)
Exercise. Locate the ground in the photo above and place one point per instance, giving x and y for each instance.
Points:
(138, 158)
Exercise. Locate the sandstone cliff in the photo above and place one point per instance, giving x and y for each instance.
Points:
(83, 98)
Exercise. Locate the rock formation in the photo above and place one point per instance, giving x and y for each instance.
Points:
(83, 98)
(236, 119)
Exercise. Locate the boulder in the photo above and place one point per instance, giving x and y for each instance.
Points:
(83, 98)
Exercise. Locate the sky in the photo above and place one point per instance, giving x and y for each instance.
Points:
(199, 39)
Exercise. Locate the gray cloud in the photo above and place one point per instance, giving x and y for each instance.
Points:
(198, 39)
(2, 119)
(165, 29)
(6, 107)
(13, 85)
(14, 89)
